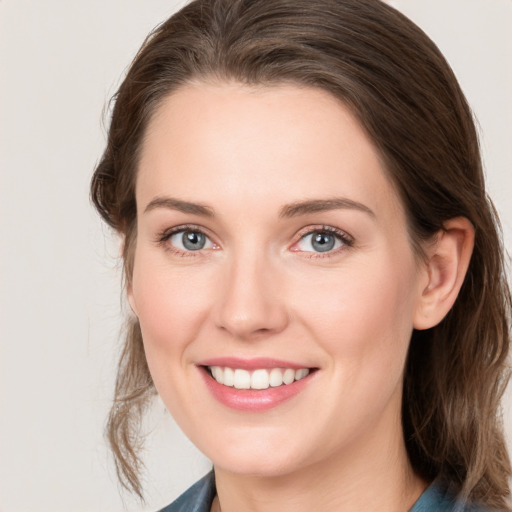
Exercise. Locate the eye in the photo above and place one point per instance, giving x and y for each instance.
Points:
(187, 240)
(323, 241)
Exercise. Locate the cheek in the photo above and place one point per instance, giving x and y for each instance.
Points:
(364, 312)
(170, 305)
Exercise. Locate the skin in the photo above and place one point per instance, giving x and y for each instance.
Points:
(259, 289)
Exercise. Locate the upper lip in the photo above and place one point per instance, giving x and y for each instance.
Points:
(251, 364)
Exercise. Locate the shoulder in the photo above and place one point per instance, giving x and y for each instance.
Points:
(435, 499)
(197, 498)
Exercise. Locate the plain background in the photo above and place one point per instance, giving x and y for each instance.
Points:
(60, 301)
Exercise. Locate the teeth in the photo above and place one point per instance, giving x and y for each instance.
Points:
(276, 377)
(300, 374)
(242, 379)
(288, 376)
(218, 374)
(229, 377)
(258, 379)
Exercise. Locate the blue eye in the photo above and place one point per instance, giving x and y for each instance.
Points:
(190, 240)
(321, 241)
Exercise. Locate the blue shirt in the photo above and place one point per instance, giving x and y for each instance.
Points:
(199, 497)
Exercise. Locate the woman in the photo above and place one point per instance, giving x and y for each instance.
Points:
(314, 268)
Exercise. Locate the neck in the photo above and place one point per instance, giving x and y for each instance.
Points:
(373, 476)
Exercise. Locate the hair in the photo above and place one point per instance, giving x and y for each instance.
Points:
(404, 94)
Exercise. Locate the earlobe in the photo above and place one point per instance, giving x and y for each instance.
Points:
(446, 266)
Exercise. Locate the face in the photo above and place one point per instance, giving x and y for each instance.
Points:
(274, 280)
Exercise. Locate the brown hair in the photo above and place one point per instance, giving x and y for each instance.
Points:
(405, 95)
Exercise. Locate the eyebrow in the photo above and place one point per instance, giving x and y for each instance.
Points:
(321, 205)
(179, 205)
(295, 209)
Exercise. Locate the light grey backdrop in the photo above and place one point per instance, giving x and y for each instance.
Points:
(60, 305)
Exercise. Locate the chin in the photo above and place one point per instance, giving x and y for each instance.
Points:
(261, 468)
(256, 461)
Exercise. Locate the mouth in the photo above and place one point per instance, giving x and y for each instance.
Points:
(258, 379)
(255, 385)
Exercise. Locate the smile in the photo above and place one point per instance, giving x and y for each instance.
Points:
(263, 378)
(255, 385)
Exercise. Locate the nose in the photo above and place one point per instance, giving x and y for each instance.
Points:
(251, 303)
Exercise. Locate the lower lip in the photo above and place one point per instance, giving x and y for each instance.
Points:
(252, 399)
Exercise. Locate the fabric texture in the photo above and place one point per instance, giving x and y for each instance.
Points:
(199, 497)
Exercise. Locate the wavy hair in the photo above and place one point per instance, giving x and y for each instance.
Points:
(404, 94)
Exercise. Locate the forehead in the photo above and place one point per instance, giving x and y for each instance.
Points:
(283, 143)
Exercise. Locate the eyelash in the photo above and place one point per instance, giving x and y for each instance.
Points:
(164, 236)
(343, 237)
(347, 241)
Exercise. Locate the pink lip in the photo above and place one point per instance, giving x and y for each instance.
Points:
(252, 399)
(250, 364)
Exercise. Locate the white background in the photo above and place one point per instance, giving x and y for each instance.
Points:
(60, 305)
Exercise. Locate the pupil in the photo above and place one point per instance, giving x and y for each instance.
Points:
(193, 241)
(323, 242)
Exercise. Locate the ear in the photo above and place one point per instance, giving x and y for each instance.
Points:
(131, 300)
(447, 261)
(128, 257)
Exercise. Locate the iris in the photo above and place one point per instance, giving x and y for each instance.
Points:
(193, 240)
